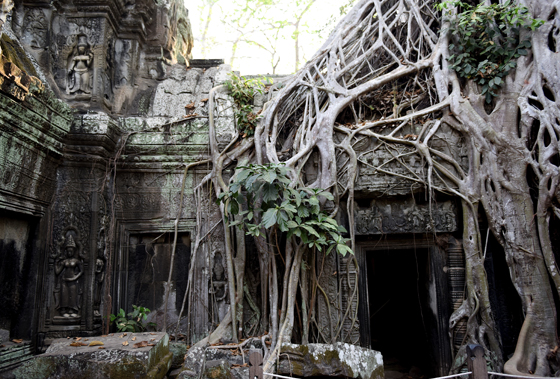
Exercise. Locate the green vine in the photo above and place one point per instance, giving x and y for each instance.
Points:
(243, 91)
(487, 41)
(265, 190)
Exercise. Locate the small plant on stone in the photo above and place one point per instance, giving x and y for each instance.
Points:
(243, 91)
(132, 323)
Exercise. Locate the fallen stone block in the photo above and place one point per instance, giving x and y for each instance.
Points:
(134, 355)
(340, 359)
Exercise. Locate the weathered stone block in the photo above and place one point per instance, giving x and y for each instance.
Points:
(62, 361)
(178, 350)
(218, 370)
(340, 359)
(194, 361)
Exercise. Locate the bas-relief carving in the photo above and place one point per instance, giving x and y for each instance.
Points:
(406, 217)
(327, 308)
(69, 269)
(108, 82)
(100, 265)
(124, 65)
(376, 165)
(383, 171)
(93, 27)
(71, 221)
(152, 192)
(77, 49)
(218, 287)
(126, 43)
(80, 68)
(35, 29)
(348, 288)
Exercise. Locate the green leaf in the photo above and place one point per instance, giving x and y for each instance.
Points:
(343, 249)
(327, 195)
(297, 197)
(270, 192)
(290, 208)
(233, 207)
(311, 230)
(315, 209)
(269, 176)
(269, 217)
(251, 180)
(292, 224)
(303, 211)
(313, 200)
(242, 175)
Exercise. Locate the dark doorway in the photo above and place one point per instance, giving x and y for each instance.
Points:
(400, 318)
(148, 270)
(19, 262)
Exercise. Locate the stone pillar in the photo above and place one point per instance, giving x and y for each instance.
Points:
(76, 266)
(456, 272)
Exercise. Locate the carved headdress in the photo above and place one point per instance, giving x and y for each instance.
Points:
(70, 241)
(82, 40)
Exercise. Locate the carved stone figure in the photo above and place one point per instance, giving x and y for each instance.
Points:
(99, 277)
(79, 68)
(68, 269)
(100, 267)
(219, 283)
(219, 286)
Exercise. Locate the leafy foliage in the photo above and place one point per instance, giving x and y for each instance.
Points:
(132, 323)
(265, 190)
(487, 41)
(243, 92)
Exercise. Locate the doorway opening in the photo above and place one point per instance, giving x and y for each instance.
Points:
(149, 261)
(401, 325)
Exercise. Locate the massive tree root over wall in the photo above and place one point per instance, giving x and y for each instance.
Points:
(383, 75)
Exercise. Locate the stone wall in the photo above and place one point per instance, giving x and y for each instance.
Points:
(98, 179)
(102, 55)
(119, 188)
(33, 128)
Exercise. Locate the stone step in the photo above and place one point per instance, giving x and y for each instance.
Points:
(14, 355)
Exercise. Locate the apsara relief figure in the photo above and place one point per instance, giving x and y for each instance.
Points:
(68, 269)
(79, 68)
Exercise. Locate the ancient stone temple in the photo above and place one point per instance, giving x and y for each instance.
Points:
(102, 110)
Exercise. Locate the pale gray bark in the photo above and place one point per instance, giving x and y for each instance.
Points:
(383, 45)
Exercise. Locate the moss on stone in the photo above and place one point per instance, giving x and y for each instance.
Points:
(178, 350)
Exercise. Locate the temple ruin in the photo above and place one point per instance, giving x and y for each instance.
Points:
(102, 109)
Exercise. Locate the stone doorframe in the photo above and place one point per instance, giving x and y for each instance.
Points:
(119, 270)
(437, 261)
